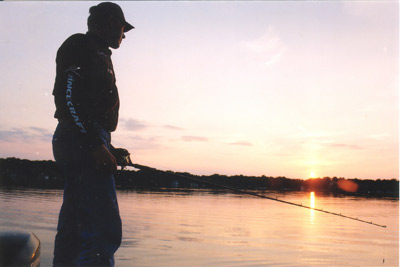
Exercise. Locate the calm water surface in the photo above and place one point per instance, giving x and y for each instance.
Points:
(206, 228)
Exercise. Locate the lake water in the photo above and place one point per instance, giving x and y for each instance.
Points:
(209, 228)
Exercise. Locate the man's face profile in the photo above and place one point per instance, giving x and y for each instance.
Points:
(114, 33)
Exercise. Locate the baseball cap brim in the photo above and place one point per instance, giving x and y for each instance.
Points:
(128, 27)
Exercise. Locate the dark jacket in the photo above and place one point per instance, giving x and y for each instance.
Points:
(85, 92)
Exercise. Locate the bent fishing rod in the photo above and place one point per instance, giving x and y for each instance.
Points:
(146, 168)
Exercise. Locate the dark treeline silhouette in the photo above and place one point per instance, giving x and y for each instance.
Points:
(44, 174)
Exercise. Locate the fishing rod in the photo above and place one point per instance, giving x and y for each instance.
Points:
(146, 168)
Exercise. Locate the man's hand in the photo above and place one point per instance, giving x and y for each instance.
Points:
(104, 160)
(122, 156)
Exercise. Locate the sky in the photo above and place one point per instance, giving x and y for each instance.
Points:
(277, 88)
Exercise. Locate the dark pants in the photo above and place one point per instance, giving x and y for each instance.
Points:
(89, 226)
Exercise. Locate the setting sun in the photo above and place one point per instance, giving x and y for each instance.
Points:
(312, 174)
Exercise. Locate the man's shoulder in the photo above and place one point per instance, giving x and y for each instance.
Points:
(77, 36)
(74, 46)
(75, 40)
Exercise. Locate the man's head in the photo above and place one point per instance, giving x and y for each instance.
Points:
(107, 20)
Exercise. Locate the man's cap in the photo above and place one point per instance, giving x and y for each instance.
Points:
(108, 9)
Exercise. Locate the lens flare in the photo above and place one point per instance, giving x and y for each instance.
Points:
(348, 185)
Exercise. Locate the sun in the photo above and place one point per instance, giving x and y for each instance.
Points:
(312, 174)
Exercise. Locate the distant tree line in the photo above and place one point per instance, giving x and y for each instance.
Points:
(16, 172)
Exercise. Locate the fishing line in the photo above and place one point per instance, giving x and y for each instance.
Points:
(146, 168)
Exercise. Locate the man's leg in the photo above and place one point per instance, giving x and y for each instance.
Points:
(101, 230)
(66, 245)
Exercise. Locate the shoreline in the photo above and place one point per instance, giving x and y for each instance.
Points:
(16, 172)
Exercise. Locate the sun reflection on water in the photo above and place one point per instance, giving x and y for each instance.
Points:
(312, 205)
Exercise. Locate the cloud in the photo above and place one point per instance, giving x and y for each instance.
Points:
(268, 47)
(144, 143)
(40, 130)
(379, 136)
(134, 124)
(241, 143)
(12, 135)
(194, 138)
(346, 146)
(137, 125)
(171, 127)
(28, 135)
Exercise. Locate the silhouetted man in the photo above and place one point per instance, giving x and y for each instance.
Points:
(87, 103)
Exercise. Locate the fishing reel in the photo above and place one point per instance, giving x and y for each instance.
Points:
(122, 156)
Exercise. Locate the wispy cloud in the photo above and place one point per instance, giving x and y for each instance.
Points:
(144, 143)
(379, 136)
(324, 140)
(29, 134)
(268, 47)
(194, 138)
(134, 124)
(172, 127)
(40, 130)
(346, 146)
(241, 143)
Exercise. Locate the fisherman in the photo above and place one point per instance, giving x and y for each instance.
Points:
(86, 98)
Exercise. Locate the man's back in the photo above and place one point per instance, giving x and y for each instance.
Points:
(85, 88)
